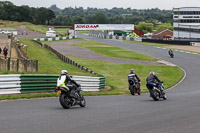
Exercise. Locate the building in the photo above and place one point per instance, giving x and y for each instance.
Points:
(186, 23)
(164, 34)
(8, 31)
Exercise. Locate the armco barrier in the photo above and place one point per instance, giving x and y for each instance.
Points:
(27, 83)
(52, 39)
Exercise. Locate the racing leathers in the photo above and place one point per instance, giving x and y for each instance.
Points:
(66, 80)
(154, 79)
(133, 76)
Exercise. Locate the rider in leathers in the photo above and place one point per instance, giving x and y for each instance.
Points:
(133, 75)
(154, 79)
(67, 80)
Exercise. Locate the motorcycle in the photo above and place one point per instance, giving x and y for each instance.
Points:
(134, 87)
(171, 53)
(155, 92)
(70, 97)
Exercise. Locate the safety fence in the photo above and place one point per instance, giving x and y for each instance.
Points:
(174, 42)
(19, 63)
(27, 83)
(22, 63)
(53, 39)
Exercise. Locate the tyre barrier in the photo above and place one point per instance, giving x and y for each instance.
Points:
(29, 83)
(53, 39)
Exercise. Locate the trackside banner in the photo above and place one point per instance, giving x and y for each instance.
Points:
(104, 27)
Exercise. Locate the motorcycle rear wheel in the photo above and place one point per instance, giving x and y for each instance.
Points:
(65, 101)
(139, 93)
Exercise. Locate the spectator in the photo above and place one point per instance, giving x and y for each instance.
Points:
(5, 52)
(0, 50)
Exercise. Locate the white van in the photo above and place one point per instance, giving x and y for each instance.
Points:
(51, 33)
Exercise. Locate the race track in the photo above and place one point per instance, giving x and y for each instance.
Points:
(115, 114)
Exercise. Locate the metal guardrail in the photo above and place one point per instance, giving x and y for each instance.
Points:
(28, 83)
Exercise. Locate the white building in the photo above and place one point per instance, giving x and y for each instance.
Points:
(186, 23)
(8, 31)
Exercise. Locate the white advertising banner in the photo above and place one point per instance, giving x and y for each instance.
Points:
(104, 26)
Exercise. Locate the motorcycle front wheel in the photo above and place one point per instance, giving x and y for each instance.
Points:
(154, 94)
(132, 89)
(82, 102)
(65, 101)
(165, 97)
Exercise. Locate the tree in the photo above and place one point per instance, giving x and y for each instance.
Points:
(50, 15)
(100, 18)
(145, 27)
(79, 20)
(165, 26)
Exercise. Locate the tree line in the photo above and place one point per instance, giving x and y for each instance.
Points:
(9, 11)
(70, 15)
(145, 20)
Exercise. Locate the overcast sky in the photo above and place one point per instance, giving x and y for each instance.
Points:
(134, 4)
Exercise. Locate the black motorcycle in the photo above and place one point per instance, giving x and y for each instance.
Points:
(155, 92)
(134, 87)
(69, 96)
(171, 53)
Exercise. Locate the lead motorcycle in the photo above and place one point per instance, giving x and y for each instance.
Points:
(171, 53)
(134, 87)
(155, 92)
(69, 96)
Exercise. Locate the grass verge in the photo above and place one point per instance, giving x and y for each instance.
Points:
(29, 26)
(48, 63)
(116, 73)
(37, 28)
(62, 30)
(112, 51)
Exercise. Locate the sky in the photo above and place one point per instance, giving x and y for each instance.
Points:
(133, 4)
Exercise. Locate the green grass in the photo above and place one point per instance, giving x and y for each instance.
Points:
(37, 28)
(62, 30)
(29, 26)
(116, 74)
(47, 62)
(112, 51)
(11, 24)
(84, 32)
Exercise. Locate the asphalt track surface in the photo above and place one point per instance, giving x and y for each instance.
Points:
(180, 113)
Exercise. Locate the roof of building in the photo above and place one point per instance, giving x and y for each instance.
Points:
(186, 9)
(161, 31)
(7, 29)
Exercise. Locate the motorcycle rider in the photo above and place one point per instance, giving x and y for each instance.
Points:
(170, 52)
(65, 77)
(133, 76)
(154, 79)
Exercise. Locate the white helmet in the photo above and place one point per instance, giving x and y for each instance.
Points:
(64, 72)
(152, 73)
